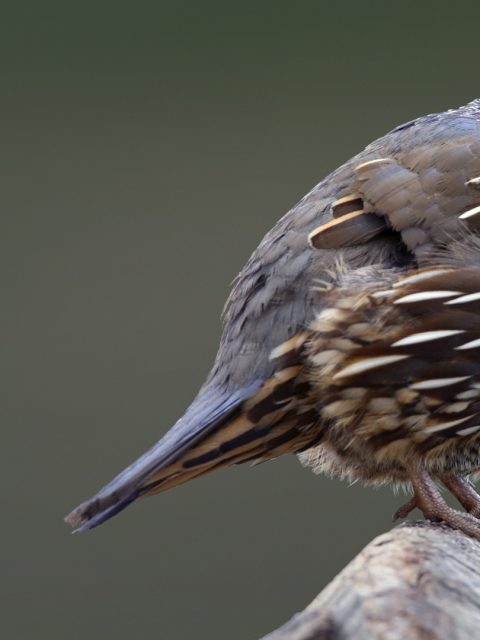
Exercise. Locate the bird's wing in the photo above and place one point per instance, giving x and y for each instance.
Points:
(424, 193)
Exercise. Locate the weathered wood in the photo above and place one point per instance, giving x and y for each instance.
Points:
(420, 581)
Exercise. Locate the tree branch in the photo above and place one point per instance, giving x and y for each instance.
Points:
(420, 581)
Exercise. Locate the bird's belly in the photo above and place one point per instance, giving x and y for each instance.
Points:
(355, 459)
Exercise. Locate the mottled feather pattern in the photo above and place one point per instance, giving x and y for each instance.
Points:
(352, 335)
(396, 377)
(365, 379)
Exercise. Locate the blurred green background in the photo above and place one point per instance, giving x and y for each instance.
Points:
(146, 148)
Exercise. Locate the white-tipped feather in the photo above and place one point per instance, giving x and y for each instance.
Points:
(470, 297)
(467, 395)
(384, 294)
(419, 277)
(373, 163)
(473, 344)
(368, 363)
(436, 383)
(468, 431)
(422, 296)
(471, 212)
(445, 425)
(473, 182)
(426, 336)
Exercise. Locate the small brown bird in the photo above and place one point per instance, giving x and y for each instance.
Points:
(351, 336)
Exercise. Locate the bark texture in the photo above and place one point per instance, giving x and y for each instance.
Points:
(419, 581)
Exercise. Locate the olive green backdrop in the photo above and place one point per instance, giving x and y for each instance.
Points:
(145, 149)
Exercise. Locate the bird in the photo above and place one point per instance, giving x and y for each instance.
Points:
(351, 337)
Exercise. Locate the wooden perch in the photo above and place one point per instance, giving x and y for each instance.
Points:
(420, 581)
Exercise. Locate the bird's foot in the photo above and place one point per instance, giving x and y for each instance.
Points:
(464, 493)
(407, 508)
(429, 500)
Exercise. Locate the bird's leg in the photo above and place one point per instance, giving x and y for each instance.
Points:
(464, 493)
(407, 508)
(459, 487)
(429, 499)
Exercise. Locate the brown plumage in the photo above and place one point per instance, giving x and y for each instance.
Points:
(352, 336)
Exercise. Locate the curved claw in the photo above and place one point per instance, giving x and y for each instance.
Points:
(405, 509)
